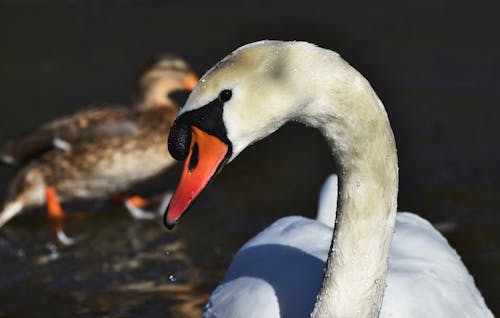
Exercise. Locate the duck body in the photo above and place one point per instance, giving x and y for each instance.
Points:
(84, 124)
(278, 273)
(106, 160)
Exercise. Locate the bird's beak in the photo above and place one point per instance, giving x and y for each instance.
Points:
(190, 81)
(207, 155)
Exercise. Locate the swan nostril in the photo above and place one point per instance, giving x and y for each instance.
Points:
(193, 160)
(179, 140)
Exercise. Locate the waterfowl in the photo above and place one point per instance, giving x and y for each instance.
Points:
(298, 266)
(99, 151)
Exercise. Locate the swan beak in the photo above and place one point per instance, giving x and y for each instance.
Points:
(207, 155)
(190, 81)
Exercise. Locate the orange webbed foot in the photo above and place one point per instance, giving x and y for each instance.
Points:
(137, 201)
(134, 206)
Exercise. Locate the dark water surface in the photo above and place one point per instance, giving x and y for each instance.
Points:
(436, 67)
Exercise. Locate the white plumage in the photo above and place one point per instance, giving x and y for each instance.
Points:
(278, 273)
(375, 262)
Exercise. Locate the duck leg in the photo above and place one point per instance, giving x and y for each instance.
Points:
(135, 203)
(56, 213)
(54, 209)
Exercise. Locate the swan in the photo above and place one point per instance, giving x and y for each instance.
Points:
(372, 262)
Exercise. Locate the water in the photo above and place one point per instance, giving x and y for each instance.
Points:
(435, 67)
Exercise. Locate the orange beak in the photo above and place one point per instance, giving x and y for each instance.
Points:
(190, 81)
(206, 155)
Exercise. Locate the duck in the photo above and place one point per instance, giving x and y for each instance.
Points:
(368, 260)
(99, 151)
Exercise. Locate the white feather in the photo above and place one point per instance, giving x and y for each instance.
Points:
(278, 273)
(281, 272)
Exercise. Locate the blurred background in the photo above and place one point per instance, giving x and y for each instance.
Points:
(435, 65)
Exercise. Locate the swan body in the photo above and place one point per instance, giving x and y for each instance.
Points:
(278, 272)
(351, 269)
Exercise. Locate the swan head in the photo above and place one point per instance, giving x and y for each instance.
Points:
(245, 97)
(236, 103)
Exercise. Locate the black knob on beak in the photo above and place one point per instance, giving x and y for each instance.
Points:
(179, 139)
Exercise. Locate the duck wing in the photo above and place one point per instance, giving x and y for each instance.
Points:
(95, 121)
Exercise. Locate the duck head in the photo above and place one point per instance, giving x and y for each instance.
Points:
(159, 78)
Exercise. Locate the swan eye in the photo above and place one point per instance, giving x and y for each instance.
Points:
(225, 95)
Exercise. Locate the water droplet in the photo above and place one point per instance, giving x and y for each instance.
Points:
(53, 251)
(172, 279)
(20, 253)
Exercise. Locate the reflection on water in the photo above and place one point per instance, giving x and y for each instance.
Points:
(432, 67)
(117, 267)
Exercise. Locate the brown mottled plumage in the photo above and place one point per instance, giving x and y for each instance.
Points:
(102, 150)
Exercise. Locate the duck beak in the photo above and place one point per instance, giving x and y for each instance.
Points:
(190, 81)
(207, 155)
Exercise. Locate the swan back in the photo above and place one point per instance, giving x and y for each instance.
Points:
(278, 274)
(426, 276)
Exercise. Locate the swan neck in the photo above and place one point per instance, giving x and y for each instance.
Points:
(357, 129)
